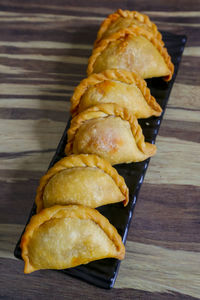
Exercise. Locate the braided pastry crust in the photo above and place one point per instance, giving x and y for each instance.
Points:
(140, 18)
(122, 34)
(47, 235)
(118, 76)
(76, 161)
(103, 111)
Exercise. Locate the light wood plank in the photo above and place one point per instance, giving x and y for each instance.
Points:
(44, 18)
(27, 162)
(12, 70)
(169, 270)
(9, 235)
(54, 58)
(30, 135)
(185, 96)
(172, 13)
(182, 115)
(178, 24)
(176, 162)
(32, 89)
(192, 51)
(45, 45)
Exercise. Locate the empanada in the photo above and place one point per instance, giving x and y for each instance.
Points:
(125, 19)
(81, 179)
(122, 87)
(109, 131)
(132, 49)
(63, 237)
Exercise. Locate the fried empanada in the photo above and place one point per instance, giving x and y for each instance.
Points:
(122, 87)
(81, 179)
(132, 49)
(63, 237)
(125, 19)
(109, 131)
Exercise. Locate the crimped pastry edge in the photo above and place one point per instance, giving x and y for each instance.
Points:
(117, 75)
(126, 14)
(136, 31)
(81, 160)
(105, 110)
(72, 211)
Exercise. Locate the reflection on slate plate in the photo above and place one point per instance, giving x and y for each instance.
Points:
(103, 272)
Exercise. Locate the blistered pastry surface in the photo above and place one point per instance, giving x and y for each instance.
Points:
(67, 242)
(83, 161)
(113, 52)
(93, 130)
(52, 238)
(110, 138)
(122, 87)
(81, 185)
(123, 19)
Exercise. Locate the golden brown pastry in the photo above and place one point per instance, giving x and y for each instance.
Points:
(122, 87)
(132, 49)
(81, 179)
(126, 19)
(63, 237)
(109, 131)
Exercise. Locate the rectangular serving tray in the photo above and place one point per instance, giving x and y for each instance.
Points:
(103, 272)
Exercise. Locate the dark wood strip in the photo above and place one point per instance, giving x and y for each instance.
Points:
(96, 7)
(164, 5)
(37, 97)
(16, 285)
(170, 220)
(10, 176)
(33, 114)
(80, 52)
(191, 32)
(11, 155)
(44, 66)
(85, 34)
(82, 9)
(187, 20)
(183, 130)
(188, 71)
(38, 82)
(67, 78)
(17, 196)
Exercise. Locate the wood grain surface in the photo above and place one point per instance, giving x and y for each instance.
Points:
(44, 49)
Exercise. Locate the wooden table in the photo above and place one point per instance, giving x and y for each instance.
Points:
(44, 48)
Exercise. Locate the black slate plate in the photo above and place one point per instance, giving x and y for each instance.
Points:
(103, 272)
